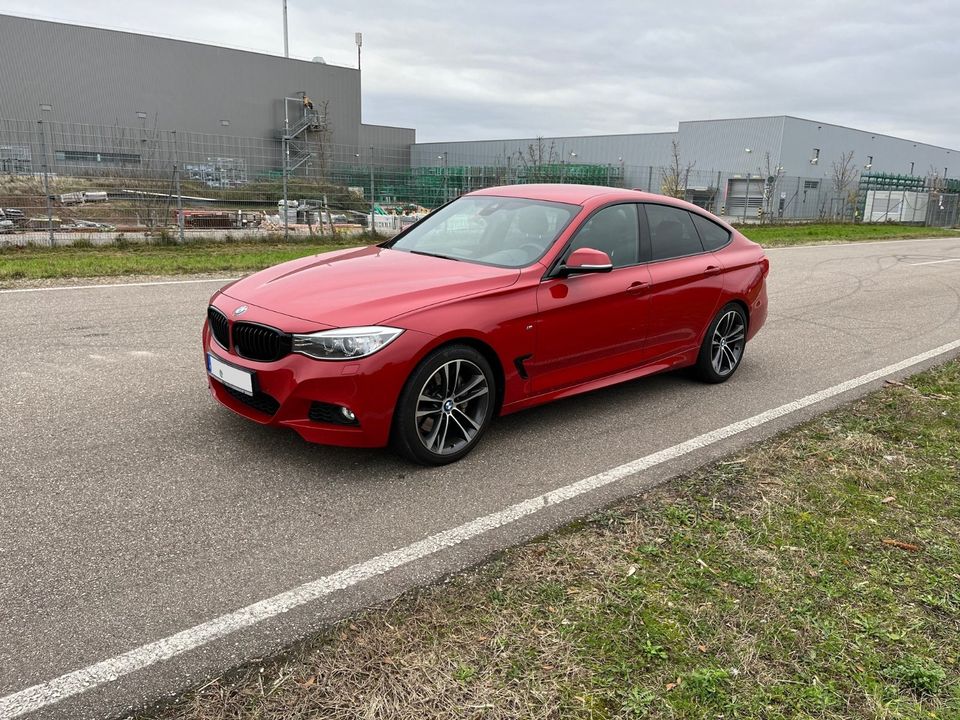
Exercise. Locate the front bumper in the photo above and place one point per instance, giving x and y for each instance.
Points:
(288, 387)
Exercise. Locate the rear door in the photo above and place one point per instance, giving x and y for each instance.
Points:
(594, 324)
(685, 281)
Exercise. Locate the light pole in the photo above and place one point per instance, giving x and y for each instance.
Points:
(45, 107)
(358, 39)
(372, 201)
(286, 41)
(746, 198)
(444, 158)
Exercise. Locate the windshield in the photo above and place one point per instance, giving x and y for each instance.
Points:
(503, 231)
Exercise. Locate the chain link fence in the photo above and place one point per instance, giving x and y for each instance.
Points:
(61, 181)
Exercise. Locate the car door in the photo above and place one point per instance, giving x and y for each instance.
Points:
(685, 281)
(593, 324)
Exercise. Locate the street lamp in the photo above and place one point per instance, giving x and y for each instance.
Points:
(444, 158)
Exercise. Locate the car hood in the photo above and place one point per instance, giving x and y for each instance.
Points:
(364, 286)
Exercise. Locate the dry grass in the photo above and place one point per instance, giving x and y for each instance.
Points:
(760, 587)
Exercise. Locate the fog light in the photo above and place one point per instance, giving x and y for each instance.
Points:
(348, 414)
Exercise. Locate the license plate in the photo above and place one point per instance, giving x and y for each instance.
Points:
(236, 378)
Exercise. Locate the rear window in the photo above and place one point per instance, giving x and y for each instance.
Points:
(672, 233)
(712, 236)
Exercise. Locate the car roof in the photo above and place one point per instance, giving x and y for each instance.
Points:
(566, 193)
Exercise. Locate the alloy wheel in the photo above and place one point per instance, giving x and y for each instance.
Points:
(452, 407)
(726, 347)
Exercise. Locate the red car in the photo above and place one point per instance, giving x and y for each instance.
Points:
(503, 299)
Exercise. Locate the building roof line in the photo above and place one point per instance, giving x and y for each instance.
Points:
(821, 122)
(170, 38)
(545, 137)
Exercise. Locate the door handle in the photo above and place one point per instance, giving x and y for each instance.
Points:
(638, 287)
(712, 270)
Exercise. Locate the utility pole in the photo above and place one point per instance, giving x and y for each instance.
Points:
(46, 171)
(176, 183)
(286, 40)
(285, 151)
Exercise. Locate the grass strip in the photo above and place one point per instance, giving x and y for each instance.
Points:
(201, 256)
(819, 233)
(816, 575)
(34, 263)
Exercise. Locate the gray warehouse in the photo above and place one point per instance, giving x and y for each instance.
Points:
(733, 161)
(99, 90)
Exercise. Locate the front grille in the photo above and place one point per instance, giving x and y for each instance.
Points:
(257, 342)
(327, 413)
(219, 326)
(259, 401)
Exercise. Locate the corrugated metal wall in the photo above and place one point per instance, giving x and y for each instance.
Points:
(105, 77)
(628, 152)
(890, 154)
(391, 144)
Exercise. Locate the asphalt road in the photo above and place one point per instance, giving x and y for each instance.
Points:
(132, 507)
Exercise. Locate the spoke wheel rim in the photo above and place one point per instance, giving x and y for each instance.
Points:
(726, 346)
(452, 407)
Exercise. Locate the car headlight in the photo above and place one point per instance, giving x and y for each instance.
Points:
(345, 343)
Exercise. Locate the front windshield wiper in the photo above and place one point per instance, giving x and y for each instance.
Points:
(437, 255)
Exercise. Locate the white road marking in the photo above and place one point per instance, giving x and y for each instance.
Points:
(858, 243)
(935, 262)
(73, 683)
(116, 285)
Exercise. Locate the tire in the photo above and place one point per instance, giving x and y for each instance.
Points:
(445, 407)
(723, 345)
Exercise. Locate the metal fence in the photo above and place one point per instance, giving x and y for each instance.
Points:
(65, 181)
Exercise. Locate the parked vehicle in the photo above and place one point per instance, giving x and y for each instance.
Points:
(506, 298)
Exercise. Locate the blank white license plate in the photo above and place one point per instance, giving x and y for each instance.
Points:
(236, 378)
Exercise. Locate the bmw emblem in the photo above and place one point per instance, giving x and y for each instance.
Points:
(241, 310)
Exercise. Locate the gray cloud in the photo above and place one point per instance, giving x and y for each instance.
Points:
(464, 70)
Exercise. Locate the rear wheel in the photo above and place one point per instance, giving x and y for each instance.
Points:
(445, 407)
(723, 345)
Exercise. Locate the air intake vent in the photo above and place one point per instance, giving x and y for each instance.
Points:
(259, 401)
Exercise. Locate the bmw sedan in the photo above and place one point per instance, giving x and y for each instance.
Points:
(503, 299)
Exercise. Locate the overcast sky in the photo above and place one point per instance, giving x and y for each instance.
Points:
(493, 69)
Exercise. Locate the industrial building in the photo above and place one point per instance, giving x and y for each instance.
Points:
(85, 101)
(107, 92)
(734, 162)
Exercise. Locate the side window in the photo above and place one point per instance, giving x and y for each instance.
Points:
(712, 235)
(613, 230)
(672, 232)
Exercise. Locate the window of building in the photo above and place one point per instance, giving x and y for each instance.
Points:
(672, 232)
(90, 157)
(712, 236)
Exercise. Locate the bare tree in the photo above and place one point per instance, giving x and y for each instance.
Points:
(843, 174)
(771, 186)
(675, 178)
(538, 159)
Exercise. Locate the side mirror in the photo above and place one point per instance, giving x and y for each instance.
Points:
(585, 260)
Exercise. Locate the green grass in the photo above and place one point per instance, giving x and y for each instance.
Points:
(141, 259)
(816, 575)
(199, 256)
(785, 235)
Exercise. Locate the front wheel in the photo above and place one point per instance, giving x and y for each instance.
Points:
(445, 407)
(723, 345)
